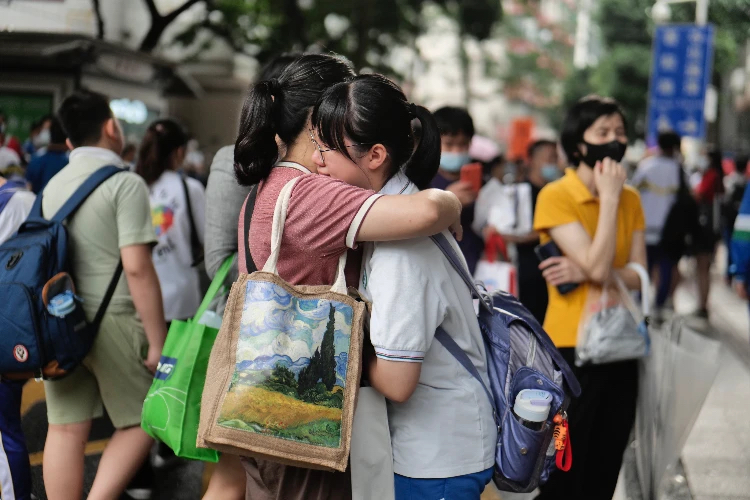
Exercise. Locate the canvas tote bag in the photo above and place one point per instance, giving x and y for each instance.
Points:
(285, 368)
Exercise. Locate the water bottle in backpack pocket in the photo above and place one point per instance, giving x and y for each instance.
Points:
(524, 368)
(45, 333)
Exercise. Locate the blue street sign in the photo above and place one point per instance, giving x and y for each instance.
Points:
(680, 75)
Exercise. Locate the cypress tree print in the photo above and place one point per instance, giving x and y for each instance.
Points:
(328, 352)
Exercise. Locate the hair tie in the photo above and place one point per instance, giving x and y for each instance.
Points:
(273, 86)
(411, 108)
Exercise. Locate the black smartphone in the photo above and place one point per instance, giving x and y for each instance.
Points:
(550, 249)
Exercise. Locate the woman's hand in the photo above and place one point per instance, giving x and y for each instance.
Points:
(609, 178)
(561, 270)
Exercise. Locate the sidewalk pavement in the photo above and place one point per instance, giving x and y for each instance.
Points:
(716, 457)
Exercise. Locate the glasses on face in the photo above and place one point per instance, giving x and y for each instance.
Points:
(322, 150)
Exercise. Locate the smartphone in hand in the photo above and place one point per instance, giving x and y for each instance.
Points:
(472, 174)
(550, 249)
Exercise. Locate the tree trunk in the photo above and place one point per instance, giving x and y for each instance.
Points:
(99, 20)
(159, 23)
(151, 40)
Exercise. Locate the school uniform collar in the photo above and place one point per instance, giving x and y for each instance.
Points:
(576, 187)
(399, 184)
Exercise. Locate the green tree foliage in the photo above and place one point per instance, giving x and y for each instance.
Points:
(328, 352)
(311, 374)
(322, 367)
(627, 32)
(281, 380)
(362, 30)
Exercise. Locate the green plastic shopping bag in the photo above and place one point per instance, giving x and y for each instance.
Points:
(171, 411)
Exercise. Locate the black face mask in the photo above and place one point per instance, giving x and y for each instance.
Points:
(598, 152)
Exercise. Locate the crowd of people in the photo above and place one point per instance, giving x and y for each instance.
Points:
(376, 176)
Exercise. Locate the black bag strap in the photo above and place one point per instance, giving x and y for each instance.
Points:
(107, 298)
(247, 216)
(196, 249)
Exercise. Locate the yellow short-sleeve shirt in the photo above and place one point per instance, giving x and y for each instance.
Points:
(569, 200)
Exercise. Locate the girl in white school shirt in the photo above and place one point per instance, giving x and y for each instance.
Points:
(442, 429)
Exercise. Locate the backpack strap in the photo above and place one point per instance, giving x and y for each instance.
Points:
(444, 245)
(67, 211)
(247, 216)
(447, 341)
(82, 193)
(196, 249)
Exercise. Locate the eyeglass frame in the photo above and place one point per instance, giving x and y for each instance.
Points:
(321, 150)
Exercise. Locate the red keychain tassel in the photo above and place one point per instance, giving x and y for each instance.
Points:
(564, 458)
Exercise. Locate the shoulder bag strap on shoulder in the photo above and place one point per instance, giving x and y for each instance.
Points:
(444, 245)
(196, 249)
(83, 192)
(107, 298)
(247, 216)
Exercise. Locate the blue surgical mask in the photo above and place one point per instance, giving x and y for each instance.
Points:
(452, 162)
(550, 172)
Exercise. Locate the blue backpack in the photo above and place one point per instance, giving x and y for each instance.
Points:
(34, 268)
(520, 355)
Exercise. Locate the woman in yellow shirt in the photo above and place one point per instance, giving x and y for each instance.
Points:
(598, 224)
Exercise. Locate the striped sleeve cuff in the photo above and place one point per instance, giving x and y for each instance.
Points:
(351, 235)
(397, 355)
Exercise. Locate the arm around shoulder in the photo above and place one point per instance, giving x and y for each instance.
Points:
(399, 217)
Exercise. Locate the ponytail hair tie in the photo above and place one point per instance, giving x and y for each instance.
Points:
(411, 108)
(273, 86)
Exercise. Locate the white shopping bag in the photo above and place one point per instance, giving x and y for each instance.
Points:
(371, 456)
(497, 276)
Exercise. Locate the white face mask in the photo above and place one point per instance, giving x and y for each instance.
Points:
(42, 139)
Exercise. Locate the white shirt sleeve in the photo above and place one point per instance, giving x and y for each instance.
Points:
(482, 208)
(406, 308)
(198, 203)
(15, 213)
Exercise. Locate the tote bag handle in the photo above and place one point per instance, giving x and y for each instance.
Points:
(277, 230)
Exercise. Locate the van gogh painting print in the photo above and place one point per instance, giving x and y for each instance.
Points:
(291, 365)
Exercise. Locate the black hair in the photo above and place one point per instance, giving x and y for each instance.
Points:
(56, 133)
(669, 141)
(536, 145)
(580, 117)
(82, 115)
(276, 66)
(715, 160)
(129, 148)
(281, 106)
(453, 121)
(161, 140)
(371, 109)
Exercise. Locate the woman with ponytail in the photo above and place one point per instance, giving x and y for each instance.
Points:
(325, 218)
(441, 421)
(178, 213)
